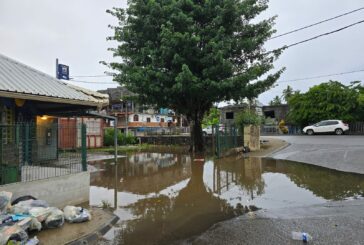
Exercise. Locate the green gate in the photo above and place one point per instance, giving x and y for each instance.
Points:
(226, 137)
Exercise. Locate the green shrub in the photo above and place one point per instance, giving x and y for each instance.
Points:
(121, 137)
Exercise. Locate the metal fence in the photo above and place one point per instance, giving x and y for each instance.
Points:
(274, 130)
(356, 128)
(31, 151)
(163, 131)
(226, 137)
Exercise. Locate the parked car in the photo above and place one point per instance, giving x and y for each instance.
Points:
(208, 130)
(337, 127)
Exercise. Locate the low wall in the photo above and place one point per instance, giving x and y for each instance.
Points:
(60, 191)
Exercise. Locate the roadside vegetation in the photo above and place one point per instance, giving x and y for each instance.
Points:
(330, 100)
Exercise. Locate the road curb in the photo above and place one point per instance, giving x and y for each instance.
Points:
(279, 149)
(93, 237)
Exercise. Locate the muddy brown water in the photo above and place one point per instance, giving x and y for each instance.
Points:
(162, 198)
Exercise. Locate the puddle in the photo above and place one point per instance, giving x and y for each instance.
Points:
(162, 198)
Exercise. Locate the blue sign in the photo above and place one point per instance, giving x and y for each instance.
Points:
(63, 72)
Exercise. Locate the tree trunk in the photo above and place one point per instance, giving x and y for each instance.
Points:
(196, 134)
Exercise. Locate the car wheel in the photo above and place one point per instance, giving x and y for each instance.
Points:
(339, 131)
(310, 132)
(204, 134)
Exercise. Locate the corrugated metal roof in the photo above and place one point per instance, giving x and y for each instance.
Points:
(16, 77)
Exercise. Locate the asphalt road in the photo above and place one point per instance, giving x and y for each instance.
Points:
(344, 153)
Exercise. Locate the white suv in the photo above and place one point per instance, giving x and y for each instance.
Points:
(329, 126)
(208, 130)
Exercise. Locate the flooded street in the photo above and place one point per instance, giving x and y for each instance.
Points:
(162, 198)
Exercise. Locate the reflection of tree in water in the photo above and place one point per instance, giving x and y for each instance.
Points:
(163, 219)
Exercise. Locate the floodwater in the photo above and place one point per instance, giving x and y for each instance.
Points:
(163, 198)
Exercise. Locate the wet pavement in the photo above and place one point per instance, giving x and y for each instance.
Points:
(344, 153)
(164, 198)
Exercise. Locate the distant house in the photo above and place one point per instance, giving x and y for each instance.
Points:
(228, 113)
(139, 119)
(277, 112)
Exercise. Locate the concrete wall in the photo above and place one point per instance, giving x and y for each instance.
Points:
(252, 137)
(60, 191)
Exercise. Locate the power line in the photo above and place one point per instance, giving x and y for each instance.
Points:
(272, 51)
(321, 76)
(78, 81)
(317, 23)
(325, 34)
(104, 75)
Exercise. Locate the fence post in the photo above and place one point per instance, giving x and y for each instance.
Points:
(83, 147)
(218, 140)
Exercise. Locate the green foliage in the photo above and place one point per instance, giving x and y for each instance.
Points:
(287, 93)
(247, 118)
(331, 100)
(187, 55)
(121, 137)
(212, 117)
(276, 101)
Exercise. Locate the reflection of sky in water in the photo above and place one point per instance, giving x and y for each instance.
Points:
(279, 191)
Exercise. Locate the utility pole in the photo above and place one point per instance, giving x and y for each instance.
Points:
(57, 68)
(126, 117)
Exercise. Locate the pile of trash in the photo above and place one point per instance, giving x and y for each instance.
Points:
(26, 214)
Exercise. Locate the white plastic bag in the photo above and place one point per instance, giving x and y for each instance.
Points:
(23, 207)
(76, 214)
(40, 213)
(5, 201)
(55, 219)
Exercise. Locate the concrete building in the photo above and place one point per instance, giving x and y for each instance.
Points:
(140, 119)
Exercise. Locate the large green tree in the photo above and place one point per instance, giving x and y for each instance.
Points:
(186, 54)
(331, 100)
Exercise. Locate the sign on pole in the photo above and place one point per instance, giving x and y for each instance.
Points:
(63, 72)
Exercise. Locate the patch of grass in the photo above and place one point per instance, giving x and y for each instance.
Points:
(105, 204)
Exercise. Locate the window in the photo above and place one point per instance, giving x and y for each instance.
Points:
(162, 120)
(136, 118)
(333, 123)
(229, 115)
(148, 119)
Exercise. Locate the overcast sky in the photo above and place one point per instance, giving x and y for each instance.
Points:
(37, 32)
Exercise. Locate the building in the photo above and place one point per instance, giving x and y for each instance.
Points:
(276, 112)
(140, 119)
(70, 138)
(30, 104)
(228, 113)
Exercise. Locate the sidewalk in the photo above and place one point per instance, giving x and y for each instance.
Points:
(99, 224)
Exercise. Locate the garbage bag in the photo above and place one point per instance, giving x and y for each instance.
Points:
(35, 225)
(23, 207)
(23, 198)
(5, 198)
(33, 241)
(12, 233)
(76, 214)
(40, 213)
(55, 219)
